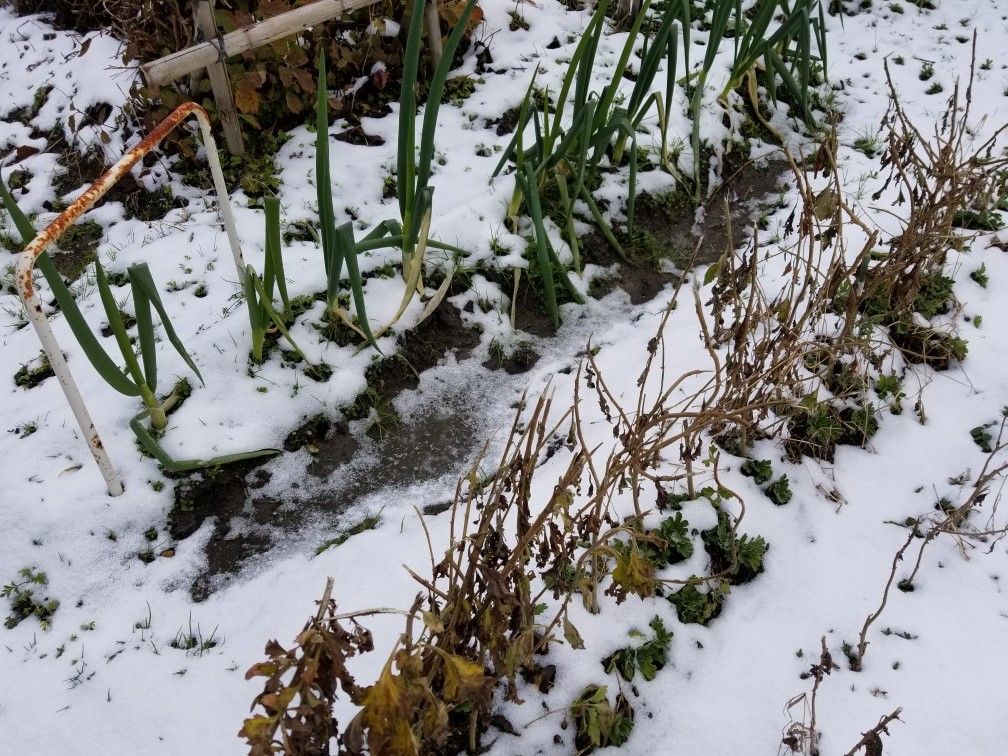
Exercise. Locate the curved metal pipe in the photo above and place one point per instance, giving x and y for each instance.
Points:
(48, 235)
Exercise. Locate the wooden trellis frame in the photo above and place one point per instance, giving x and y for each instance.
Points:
(214, 49)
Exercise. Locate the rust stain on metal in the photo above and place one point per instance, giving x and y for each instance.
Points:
(100, 187)
(30, 255)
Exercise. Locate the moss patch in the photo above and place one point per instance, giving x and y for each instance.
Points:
(33, 373)
(458, 89)
(78, 248)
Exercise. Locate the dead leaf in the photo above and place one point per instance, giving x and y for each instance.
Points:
(572, 635)
(24, 151)
(464, 679)
(433, 622)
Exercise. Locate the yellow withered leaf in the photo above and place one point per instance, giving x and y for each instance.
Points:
(572, 635)
(825, 204)
(257, 728)
(403, 742)
(386, 714)
(386, 699)
(464, 679)
(634, 573)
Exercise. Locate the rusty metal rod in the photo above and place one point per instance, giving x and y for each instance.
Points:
(48, 235)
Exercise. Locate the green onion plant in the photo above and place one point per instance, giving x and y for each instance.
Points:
(759, 55)
(139, 378)
(259, 289)
(410, 231)
(581, 130)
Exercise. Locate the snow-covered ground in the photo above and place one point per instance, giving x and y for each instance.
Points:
(105, 677)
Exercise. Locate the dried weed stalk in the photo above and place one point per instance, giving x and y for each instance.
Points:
(301, 685)
(499, 595)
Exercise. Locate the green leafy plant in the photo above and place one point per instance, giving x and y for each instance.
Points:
(978, 220)
(140, 376)
(562, 158)
(23, 602)
(259, 289)
(410, 233)
(935, 296)
(779, 491)
(759, 55)
(923, 344)
(983, 438)
(648, 658)
(891, 387)
(823, 426)
(694, 606)
(862, 424)
(980, 275)
(675, 543)
(786, 53)
(760, 470)
(637, 560)
(739, 556)
(598, 723)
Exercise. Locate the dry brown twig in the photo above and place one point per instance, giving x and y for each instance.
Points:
(799, 736)
(871, 741)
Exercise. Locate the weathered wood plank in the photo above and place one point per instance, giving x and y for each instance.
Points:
(203, 55)
(220, 84)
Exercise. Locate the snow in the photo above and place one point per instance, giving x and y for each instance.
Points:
(121, 688)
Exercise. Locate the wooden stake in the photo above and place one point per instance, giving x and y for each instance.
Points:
(206, 28)
(433, 31)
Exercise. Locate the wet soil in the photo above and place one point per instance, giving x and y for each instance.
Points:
(669, 228)
(353, 465)
(367, 447)
(520, 360)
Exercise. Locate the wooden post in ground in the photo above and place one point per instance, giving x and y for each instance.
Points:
(203, 54)
(210, 50)
(433, 31)
(220, 84)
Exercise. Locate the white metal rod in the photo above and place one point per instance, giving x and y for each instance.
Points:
(48, 235)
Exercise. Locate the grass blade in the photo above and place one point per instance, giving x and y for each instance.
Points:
(255, 313)
(117, 326)
(406, 155)
(434, 95)
(345, 239)
(323, 182)
(531, 192)
(154, 449)
(609, 93)
(269, 314)
(145, 334)
(524, 113)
